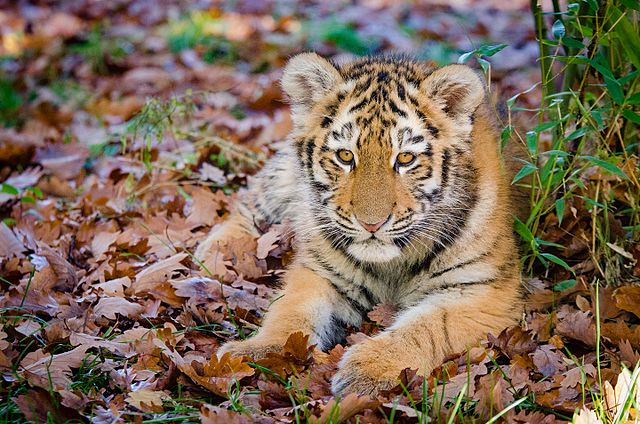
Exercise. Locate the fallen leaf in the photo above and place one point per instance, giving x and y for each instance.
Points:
(108, 307)
(548, 361)
(147, 400)
(383, 314)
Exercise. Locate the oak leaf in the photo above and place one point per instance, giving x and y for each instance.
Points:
(108, 307)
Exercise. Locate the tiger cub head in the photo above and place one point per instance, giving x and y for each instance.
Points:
(385, 147)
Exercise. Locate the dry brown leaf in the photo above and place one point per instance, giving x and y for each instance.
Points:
(295, 354)
(159, 272)
(216, 375)
(67, 275)
(576, 325)
(43, 369)
(108, 307)
(578, 375)
(628, 354)
(147, 400)
(114, 287)
(493, 393)
(628, 299)
(548, 361)
(38, 407)
(267, 242)
(102, 241)
(9, 243)
(210, 414)
(383, 314)
(348, 406)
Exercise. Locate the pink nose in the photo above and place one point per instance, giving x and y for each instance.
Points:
(372, 228)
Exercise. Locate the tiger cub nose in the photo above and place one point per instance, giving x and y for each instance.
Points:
(372, 228)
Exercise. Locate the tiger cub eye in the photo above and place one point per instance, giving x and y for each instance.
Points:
(345, 156)
(405, 158)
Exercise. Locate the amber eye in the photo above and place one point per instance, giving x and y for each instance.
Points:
(405, 159)
(345, 156)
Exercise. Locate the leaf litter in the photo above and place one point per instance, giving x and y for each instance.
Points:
(106, 315)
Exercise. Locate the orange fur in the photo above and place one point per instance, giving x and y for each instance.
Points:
(441, 250)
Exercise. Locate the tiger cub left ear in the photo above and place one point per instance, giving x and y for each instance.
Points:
(456, 89)
(307, 78)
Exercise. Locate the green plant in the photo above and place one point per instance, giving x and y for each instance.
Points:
(343, 35)
(582, 154)
(201, 31)
(10, 103)
(100, 50)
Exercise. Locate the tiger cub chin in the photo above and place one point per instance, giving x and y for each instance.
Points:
(394, 184)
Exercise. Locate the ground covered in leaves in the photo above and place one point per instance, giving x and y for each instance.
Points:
(125, 131)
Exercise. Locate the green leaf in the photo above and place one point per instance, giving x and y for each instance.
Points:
(484, 64)
(490, 50)
(628, 35)
(560, 209)
(465, 56)
(558, 30)
(558, 153)
(532, 142)
(634, 100)
(564, 285)
(631, 4)
(556, 260)
(505, 135)
(523, 230)
(615, 89)
(545, 126)
(631, 116)
(574, 43)
(486, 50)
(9, 189)
(527, 169)
(578, 133)
(606, 165)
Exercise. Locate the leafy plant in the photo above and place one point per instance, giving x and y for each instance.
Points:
(583, 148)
(199, 30)
(10, 103)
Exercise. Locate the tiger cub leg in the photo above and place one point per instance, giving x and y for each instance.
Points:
(234, 226)
(307, 303)
(424, 335)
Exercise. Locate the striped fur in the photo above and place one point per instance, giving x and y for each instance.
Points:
(444, 254)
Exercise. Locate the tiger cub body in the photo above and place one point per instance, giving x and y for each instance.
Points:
(394, 185)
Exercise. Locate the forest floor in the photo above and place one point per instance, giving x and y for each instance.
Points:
(126, 129)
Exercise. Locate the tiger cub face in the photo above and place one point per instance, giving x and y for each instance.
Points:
(385, 146)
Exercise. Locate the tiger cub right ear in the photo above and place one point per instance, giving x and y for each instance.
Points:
(307, 79)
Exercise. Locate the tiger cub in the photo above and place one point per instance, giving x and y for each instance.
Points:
(394, 184)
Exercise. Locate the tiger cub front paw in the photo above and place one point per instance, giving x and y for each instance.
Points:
(251, 348)
(366, 370)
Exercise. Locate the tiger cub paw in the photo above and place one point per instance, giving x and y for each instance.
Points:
(250, 348)
(365, 370)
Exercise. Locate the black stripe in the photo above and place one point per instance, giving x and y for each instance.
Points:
(401, 93)
(445, 329)
(396, 110)
(433, 130)
(359, 105)
(309, 151)
(357, 306)
(446, 158)
(458, 266)
(332, 334)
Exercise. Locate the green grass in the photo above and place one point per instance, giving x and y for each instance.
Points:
(589, 114)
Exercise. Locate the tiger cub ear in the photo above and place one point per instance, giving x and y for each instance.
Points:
(456, 89)
(308, 78)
